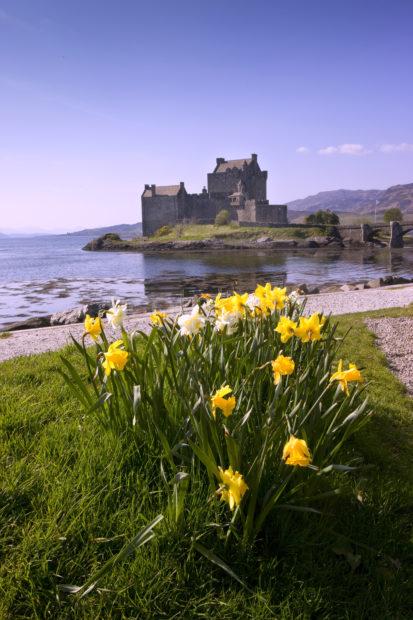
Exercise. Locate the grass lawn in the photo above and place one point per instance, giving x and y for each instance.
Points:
(72, 495)
(196, 232)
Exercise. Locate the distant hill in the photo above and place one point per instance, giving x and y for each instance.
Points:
(358, 201)
(126, 231)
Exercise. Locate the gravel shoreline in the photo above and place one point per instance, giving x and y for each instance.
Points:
(32, 341)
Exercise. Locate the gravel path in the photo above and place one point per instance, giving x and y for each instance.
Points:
(395, 338)
(30, 341)
(361, 301)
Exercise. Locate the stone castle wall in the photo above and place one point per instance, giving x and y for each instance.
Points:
(205, 208)
(239, 186)
(225, 183)
(159, 211)
(271, 214)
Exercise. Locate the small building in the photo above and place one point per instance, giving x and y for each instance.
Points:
(238, 185)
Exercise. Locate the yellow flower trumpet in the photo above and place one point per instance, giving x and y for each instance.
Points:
(345, 376)
(286, 328)
(296, 452)
(233, 487)
(157, 318)
(309, 328)
(282, 366)
(115, 357)
(93, 327)
(218, 401)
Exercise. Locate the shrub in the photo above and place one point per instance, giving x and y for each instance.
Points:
(222, 218)
(238, 400)
(111, 237)
(163, 231)
(298, 233)
(393, 214)
(322, 217)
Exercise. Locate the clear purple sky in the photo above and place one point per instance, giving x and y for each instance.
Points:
(98, 97)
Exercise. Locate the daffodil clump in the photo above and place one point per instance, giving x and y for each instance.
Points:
(240, 397)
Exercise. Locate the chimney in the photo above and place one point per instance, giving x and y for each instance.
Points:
(153, 188)
(147, 186)
(254, 156)
(181, 185)
(220, 160)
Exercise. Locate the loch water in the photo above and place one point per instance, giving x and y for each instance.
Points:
(42, 275)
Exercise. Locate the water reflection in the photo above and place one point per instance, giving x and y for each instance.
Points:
(180, 275)
(46, 275)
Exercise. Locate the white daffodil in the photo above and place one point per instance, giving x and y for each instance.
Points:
(116, 314)
(253, 302)
(191, 324)
(228, 320)
(208, 308)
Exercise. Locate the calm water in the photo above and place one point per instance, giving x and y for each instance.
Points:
(41, 275)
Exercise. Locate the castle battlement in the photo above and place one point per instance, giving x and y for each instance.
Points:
(238, 185)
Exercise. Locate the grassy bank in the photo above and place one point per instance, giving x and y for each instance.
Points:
(197, 232)
(228, 236)
(72, 495)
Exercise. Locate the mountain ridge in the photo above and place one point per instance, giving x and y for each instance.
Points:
(126, 231)
(358, 201)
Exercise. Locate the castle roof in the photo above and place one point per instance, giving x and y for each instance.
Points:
(162, 190)
(233, 163)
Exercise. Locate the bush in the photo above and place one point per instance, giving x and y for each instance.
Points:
(298, 233)
(222, 218)
(321, 217)
(163, 231)
(393, 214)
(111, 237)
(236, 400)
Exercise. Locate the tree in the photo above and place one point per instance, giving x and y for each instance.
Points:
(321, 218)
(393, 214)
(222, 218)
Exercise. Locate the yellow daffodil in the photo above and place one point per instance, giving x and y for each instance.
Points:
(115, 357)
(229, 311)
(234, 304)
(345, 376)
(238, 302)
(296, 452)
(218, 401)
(286, 327)
(93, 327)
(282, 366)
(309, 328)
(205, 296)
(271, 298)
(157, 318)
(233, 487)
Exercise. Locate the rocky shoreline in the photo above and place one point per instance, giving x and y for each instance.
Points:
(33, 341)
(77, 315)
(108, 243)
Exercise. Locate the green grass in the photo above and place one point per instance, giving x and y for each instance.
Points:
(231, 232)
(4, 335)
(71, 495)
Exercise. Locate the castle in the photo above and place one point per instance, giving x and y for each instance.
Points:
(238, 185)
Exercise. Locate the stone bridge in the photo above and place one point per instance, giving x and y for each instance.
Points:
(367, 233)
(397, 230)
